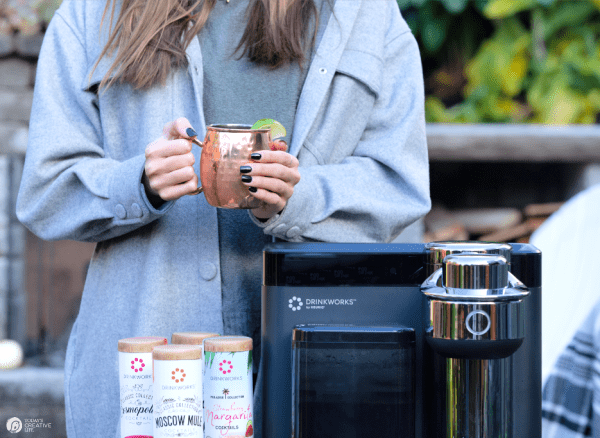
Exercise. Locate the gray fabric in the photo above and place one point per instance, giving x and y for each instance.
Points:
(359, 134)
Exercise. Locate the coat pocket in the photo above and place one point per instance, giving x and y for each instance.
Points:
(344, 114)
(364, 67)
(93, 77)
(310, 154)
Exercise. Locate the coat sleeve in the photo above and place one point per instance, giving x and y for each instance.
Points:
(70, 187)
(382, 186)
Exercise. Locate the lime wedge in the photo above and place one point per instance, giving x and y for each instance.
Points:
(277, 129)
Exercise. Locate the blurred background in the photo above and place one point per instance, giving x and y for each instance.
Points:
(512, 105)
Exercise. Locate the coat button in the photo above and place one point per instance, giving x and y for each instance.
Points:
(120, 211)
(293, 232)
(322, 70)
(208, 270)
(136, 210)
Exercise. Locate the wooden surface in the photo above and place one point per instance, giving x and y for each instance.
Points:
(503, 142)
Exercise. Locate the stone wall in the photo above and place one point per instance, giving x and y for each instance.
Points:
(39, 307)
(18, 57)
(29, 392)
(17, 74)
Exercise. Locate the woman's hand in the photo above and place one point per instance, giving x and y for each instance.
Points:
(271, 177)
(168, 171)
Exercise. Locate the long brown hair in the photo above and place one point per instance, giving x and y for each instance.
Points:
(150, 36)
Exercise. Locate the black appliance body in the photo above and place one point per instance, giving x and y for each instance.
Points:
(379, 285)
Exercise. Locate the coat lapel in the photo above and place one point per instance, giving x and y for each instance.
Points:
(195, 70)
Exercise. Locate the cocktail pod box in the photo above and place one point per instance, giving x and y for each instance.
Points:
(135, 378)
(228, 387)
(177, 391)
(163, 391)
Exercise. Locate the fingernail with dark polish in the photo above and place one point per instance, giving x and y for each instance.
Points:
(245, 169)
(191, 133)
(246, 178)
(256, 156)
(252, 189)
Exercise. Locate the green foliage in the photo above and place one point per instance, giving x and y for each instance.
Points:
(452, 6)
(495, 78)
(541, 64)
(504, 8)
(435, 22)
(26, 16)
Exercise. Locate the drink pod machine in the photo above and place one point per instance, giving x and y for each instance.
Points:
(401, 340)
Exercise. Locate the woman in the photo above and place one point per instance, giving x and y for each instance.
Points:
(348, 87)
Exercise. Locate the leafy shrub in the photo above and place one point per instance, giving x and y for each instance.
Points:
(541, 64)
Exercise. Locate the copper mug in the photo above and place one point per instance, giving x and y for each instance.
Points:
(225, 148)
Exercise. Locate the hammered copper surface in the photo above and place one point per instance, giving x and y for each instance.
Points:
(224, 150)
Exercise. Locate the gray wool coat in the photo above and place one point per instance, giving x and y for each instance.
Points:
(359, 135)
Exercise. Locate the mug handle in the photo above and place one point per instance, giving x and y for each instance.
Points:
(199, 189)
